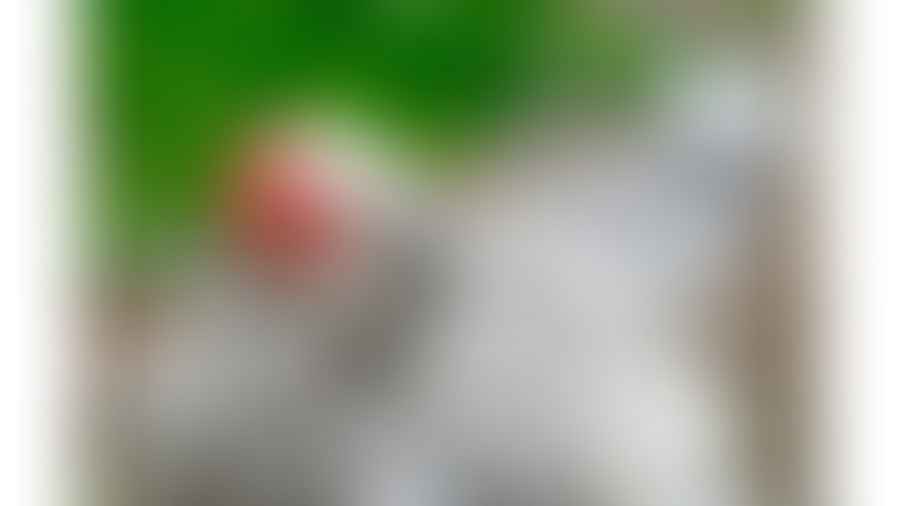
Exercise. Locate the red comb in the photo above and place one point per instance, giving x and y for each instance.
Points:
(283, 211)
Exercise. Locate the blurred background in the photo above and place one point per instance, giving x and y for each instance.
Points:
(173, 84)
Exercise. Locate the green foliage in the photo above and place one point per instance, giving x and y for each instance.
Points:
(177, 79)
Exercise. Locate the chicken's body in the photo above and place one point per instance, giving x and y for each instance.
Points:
(555, 343)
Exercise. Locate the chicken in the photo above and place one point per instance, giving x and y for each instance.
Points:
(547, 342)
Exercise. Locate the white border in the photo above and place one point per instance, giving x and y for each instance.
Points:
(865, 207)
